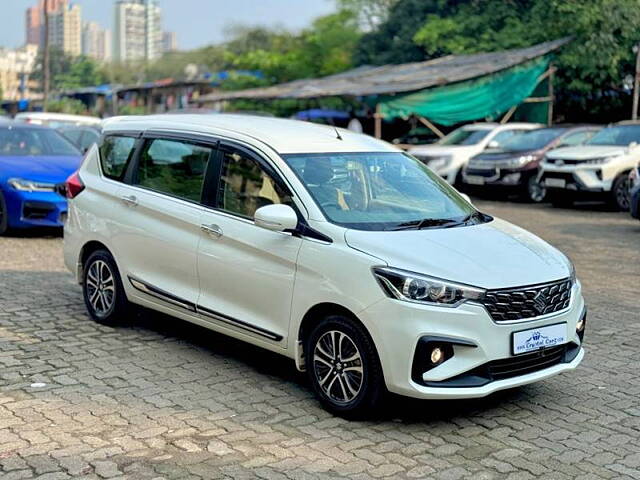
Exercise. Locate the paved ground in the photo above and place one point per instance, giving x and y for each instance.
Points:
(163, 399)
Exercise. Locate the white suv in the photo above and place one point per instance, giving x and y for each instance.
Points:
(332, 248)
(450, 155)
(600, 167)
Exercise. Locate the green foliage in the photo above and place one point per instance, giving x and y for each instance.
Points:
(370, 13)
(131, 110)
(66, 105)
(69, 72)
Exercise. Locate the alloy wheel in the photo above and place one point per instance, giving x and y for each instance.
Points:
(537, 191)
(622, 194)
(338, 367)
(100, 287)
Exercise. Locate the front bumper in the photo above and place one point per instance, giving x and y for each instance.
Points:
(497, 177)
(588, 179)
(35, 209)
(397, 328)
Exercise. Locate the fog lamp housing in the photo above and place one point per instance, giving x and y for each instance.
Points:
(433, 351)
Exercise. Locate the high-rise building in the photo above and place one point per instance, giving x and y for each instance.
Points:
(137, 32)
(169, 42)
(96, 41)
(65, 29)
(16, 66)
(35, 20)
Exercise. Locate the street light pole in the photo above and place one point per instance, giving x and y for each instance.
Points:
(46, 72)
(636, 83)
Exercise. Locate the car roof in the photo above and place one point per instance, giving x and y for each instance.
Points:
(510, 125)
(283, 135)
(57, 116)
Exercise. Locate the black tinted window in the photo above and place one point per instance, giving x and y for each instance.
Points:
(174, 167)
(245, 186)
(115, 153)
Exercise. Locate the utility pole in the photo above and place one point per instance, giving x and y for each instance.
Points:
(46, 67)
(636, 83)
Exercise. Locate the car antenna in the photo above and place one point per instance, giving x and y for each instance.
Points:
(337, 133)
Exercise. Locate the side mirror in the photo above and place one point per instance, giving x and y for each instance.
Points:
(633, 145)
(276, 217)
(493, 144)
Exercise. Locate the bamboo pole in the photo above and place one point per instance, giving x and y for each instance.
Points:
(377, 116)
(431, 126)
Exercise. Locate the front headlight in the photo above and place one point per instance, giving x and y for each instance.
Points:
(598, 161)
(31, 186)
(417, 288)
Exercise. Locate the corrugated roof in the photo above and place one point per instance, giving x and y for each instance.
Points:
(390, 79)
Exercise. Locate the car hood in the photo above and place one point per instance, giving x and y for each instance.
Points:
(584, 152)
(492, 255)
(49, 169)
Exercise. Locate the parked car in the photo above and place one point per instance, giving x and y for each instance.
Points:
(450, 154)
(515, 165)
(361, 265)
(81, 136)
(599, 168)
(32, 161)
(634, 192)
(56, 120)
(416, 136)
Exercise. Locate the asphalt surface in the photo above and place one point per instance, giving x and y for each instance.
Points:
(164, 399)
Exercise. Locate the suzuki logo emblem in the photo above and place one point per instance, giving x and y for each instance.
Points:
(540, 302)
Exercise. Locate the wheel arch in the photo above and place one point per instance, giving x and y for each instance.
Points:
(87, 249)
(313, 316)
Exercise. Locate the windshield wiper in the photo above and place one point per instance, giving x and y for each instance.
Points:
(437, 222)
(426, 223)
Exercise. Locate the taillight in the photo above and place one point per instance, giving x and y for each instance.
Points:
(74, 185)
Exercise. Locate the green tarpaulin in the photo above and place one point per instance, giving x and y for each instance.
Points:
(476, 99)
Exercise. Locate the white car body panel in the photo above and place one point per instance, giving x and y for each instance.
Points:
(44, 118)
(271, 280)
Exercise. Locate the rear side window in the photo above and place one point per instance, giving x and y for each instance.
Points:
(115, 153)
(174, 167)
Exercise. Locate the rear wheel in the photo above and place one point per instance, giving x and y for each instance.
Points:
(102, 289)
(343, 367)
(620, 192)
(4, 215)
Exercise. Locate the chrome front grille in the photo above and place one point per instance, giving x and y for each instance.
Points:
(506, 305)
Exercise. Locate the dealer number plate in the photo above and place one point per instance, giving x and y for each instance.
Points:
(474, 180)
(537, 338)
(555, 182)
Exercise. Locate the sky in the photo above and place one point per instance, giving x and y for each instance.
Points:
(196, 22)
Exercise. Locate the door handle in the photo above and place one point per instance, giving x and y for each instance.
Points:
(213, 230)
(129, 200)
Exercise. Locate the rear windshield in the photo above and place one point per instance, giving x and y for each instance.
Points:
(24, 142)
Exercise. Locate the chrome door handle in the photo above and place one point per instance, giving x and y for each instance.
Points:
(213, 230)
(129, 200)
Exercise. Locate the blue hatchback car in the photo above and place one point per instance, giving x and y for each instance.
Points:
(33, 160)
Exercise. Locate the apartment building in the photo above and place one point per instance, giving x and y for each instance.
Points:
(137, 30)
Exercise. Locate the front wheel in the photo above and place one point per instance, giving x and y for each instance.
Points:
(620, 197)
(536, 191)
(343, 367)
(102, 289)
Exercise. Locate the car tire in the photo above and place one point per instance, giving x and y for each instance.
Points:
(620, 198)
(4, 216)
(343, 367)
(535, 191)
(102, 289)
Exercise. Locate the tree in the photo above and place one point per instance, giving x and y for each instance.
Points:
(370, 13)
(83, 72)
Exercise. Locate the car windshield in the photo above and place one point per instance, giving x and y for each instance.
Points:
(617, 135)
(532, 140)
(17, 142)
(381, 191)
(465, 136)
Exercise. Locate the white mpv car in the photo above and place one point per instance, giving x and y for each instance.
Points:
(332, 248)
(448, 156)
